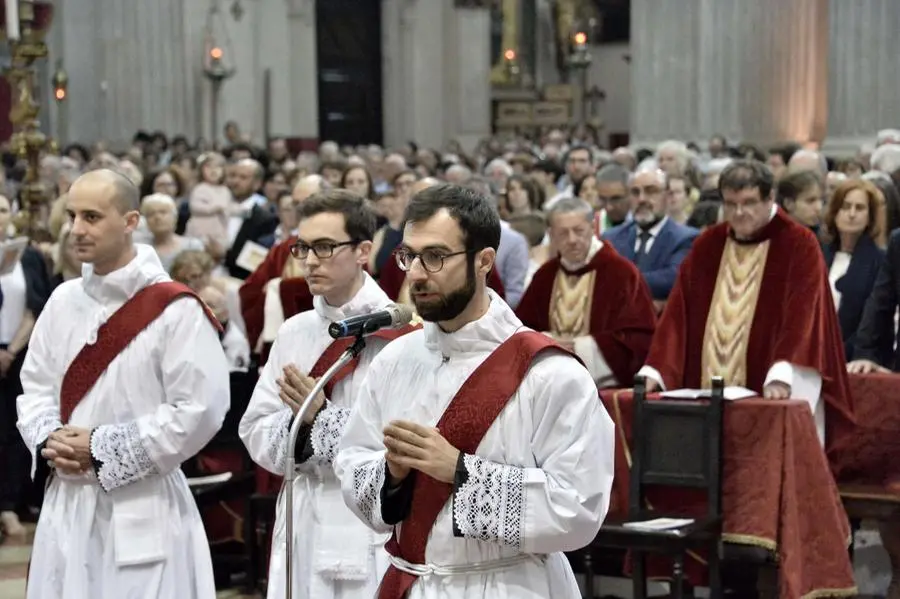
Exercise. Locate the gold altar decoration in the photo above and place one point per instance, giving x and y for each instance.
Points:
(28, 141)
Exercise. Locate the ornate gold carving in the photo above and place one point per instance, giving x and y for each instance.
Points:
(28, 141)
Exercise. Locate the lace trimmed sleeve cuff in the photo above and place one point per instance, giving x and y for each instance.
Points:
(277, 439)
(119, 456)
(368, 482)
(488, 501)
(326, 433)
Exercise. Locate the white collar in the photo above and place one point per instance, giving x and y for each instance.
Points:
(655, 229)
(478, 336)
(120, 285)
(369, 298)
(596, 246)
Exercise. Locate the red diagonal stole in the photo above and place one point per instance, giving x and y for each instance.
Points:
(115, 335)
(334, 351)
(266, 482)
(464, 423)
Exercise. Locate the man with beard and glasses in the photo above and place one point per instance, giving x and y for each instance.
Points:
(479, 442)
(336, 556)
(590, 299)
(655, 243)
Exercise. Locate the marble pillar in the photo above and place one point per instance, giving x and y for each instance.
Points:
(435, 72)
(863, 91)
(140, 66)
(753, 70)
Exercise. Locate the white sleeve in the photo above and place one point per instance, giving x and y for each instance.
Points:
(805, 384)
(196, 381)
(652, 373)
(560, 503)
(41, 375)
(360, 464)
(266, 423)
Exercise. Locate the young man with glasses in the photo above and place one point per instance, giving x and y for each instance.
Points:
(336, 556)
(482, 444)
(752, 303)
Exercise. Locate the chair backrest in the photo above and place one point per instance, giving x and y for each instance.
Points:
(677, 443)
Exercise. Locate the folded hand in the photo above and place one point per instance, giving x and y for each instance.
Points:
(69, 450)
(411, 445)
(294, 386)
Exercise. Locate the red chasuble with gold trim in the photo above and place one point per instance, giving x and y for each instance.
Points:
(607, 299)
(739, 307)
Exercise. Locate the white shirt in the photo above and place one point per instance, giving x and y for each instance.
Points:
(654, 232)
(838, 269)
(538, 485)
(235, 222)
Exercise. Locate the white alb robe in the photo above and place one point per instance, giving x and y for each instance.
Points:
(132, 529)
(335, 555)
(538, 485)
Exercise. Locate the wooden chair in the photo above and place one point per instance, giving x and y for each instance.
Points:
(677, 444)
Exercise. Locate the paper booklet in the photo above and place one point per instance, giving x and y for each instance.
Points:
(251, 256)
(659, 524)
(731, 393)
(10, 253)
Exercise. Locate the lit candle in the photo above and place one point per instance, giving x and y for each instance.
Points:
(12, 20)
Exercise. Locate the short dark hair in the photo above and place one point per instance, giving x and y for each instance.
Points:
(793, 184)
(747, 174)
(359, 219)
(475, 213)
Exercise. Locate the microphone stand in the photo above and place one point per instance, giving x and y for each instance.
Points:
(290, 463)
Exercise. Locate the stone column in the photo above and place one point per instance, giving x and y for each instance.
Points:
(126, 69)
(300, 69)
(863, 93)
(753, 70)
(436, 72)
(468, 72)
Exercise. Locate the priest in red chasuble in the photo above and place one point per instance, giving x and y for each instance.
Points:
(590, 299)
(752, 303)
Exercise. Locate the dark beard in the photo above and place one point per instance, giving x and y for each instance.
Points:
(451, 305)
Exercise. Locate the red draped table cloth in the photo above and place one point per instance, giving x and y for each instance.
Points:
(777, 492)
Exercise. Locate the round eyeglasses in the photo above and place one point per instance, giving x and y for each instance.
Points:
(322, 249)
(432, 260)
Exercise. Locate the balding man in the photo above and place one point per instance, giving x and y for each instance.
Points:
(276, 290)
(125, 379)
(255, 219)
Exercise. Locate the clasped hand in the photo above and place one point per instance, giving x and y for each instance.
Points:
(411, 446)
(293, 387)
(69, 450)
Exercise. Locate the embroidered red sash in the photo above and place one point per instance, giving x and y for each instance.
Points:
(464, 423)
(115, 335)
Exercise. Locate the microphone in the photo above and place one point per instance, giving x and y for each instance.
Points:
(393, 316)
